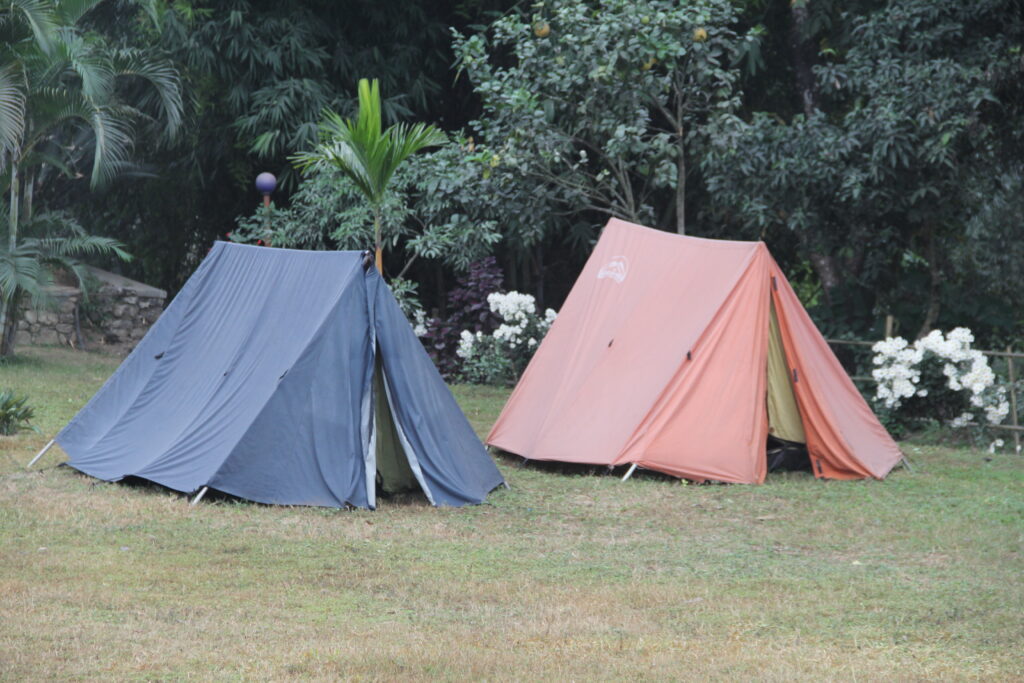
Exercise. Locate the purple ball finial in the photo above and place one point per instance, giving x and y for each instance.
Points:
(265, 183)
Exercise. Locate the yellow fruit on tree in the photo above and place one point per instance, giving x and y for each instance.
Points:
(541, 28)
(700, 35)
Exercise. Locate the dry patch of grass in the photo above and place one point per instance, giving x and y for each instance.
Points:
(561, 577)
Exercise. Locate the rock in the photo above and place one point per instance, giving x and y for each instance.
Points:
(47, 335)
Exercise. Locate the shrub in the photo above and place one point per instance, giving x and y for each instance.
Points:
(15, 413)
(501, 356)
(938, 377)
(467, 310)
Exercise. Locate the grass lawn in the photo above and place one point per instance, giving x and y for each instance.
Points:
(561, 577)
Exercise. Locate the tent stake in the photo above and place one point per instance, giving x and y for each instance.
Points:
(200, 496)
(906, 463)
(40, 453)
(630, 472)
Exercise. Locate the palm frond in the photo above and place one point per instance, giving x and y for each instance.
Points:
(21, 271)
(12, 110)
(162, 76)
(88, 62)
(361, 150)
(40, 19)
(155, 10)
(368, 124)
(53, 240)
(55, 248)
(40, 157)
(69, 12)
(113, 143)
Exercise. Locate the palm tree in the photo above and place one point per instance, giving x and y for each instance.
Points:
(50, 242)
(367, 154)
(70, 104)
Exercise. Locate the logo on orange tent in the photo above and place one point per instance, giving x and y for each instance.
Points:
(616, 269)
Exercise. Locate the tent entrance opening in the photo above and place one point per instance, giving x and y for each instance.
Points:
(394, 474)
(787, 443)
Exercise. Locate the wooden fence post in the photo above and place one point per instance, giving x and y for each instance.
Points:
(1013, 399)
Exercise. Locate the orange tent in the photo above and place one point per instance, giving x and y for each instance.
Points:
(681, 355)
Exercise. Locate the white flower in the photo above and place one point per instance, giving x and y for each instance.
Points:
(958, 422)
(420, 324)
(961, 334)
(512, 306)
(995, 414)
(467, 340)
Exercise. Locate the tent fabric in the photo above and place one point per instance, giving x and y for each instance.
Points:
(659, 357)
(257, 381)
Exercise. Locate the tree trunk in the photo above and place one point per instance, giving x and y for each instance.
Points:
(681, 188)
(931, 314)
(10, 326)
(802, 58)
(376, 241)
(825, 266)
(538, 269)
(29, 186)
(15, 196)
(7, 317)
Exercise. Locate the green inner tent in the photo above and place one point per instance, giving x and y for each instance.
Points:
(783, 414)
(393, 470)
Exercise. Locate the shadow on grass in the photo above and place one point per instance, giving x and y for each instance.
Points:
(139, 485)
(584, 470)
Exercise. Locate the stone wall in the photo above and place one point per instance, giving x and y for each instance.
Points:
(120, 313)
(123, 310)
(52, 325)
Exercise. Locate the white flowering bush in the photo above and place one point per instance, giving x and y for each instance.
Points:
(939, 377)
(499, 357)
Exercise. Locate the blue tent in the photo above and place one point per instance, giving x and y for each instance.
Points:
(259, 380)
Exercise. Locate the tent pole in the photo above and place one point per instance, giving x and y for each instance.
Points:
(630, 472)
(40, 453)
(200, 496)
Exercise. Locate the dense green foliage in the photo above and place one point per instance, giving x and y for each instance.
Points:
(366, 153)
(257, 76)
(906, 143)
(73, 105)
(598, 102)
(875, 145)
(15, 413)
